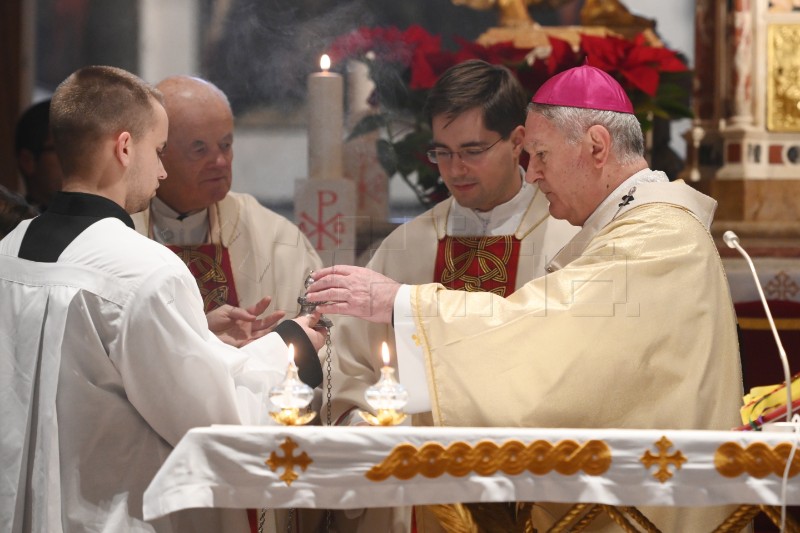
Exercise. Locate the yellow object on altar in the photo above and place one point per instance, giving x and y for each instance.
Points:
(761, 400)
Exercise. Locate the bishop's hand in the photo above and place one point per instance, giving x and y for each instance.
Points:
(354, 291)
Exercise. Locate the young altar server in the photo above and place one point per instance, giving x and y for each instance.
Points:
(106, 353)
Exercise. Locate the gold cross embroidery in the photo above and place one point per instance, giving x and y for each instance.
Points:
(288, 461)
(416, 340)
(663, 460)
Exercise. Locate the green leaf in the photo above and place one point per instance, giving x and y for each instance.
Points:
(386, 156)
(367, 124)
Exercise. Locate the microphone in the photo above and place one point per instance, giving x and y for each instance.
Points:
(732, 240)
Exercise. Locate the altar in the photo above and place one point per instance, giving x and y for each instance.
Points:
(356, 467)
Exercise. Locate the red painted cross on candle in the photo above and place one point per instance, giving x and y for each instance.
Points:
(320, 227)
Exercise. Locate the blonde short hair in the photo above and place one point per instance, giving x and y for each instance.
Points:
(95, 102)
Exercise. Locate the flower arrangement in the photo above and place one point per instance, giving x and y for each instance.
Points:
(405, 64)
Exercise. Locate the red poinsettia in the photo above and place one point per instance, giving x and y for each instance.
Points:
(406, 64)
(638, 63)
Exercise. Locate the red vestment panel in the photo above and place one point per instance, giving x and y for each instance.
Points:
(210, 264)
(478, 264)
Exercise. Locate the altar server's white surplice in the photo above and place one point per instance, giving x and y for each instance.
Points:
(107, 361)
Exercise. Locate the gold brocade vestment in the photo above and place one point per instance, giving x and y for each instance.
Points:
(635, 330)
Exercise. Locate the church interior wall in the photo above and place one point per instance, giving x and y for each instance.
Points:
(155, 39)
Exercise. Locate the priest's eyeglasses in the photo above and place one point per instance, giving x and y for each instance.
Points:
(470, 155)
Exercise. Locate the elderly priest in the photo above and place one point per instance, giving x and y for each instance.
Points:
(633, 327)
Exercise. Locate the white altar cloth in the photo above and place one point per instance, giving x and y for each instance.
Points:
(226, 466)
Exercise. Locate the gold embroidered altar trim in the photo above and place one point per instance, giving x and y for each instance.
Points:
(486, 458)
(758, 460)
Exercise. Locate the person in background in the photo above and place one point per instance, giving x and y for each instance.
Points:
(493, 234)
(36, 156)
(632, 327)
(109, 354)
(237, 249)
(13, 210)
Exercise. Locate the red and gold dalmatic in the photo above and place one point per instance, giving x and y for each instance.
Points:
(210, 264)
(487, 264)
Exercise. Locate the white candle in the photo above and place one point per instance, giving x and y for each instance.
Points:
(291, 355)
(325, 123)
(359, 89)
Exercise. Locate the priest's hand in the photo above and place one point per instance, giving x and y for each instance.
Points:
(317, 335)
(239, 326)
(354, 291)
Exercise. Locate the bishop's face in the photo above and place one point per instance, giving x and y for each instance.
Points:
(561, 169)
(199, 156)
(487, 173)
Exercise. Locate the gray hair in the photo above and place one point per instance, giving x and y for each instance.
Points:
(627, 140)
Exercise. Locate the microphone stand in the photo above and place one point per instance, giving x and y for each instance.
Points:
(732, 240)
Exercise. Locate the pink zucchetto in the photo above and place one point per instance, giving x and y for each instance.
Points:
(585, 86)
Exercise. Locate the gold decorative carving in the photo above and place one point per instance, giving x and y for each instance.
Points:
(663, 460)
(485, 458)
(454, 518)
(594, 12)
(288, 461)
(512, 12)
(580, 515)
(783, 77)
(773, 512)
(589, 512)
(483, 517)
(757, 460)
(744, 514)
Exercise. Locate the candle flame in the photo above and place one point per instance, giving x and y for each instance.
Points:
(325, 62)
(291, 354)
(385, 354)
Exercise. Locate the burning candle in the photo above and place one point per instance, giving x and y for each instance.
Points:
(291, 393)
(387, 393)
(325, 123)
(385, 354)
